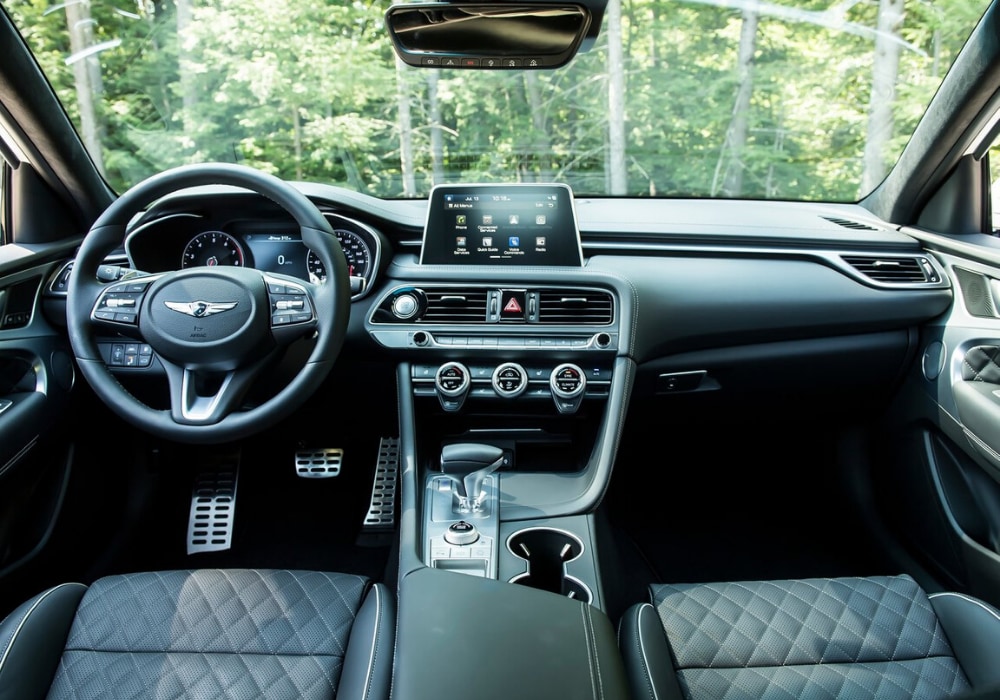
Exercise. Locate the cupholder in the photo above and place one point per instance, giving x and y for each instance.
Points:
(547, 552)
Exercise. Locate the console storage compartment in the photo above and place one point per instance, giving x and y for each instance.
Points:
(453, 628)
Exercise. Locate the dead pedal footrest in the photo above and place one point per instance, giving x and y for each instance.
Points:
(382, 509)
(213, 510)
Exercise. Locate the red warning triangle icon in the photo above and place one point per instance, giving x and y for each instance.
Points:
(512, 307)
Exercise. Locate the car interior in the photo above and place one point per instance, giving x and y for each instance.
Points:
(265, 435)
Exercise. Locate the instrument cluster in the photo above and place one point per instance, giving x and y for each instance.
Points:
(184, 241)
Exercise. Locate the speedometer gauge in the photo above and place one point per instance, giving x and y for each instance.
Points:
(356, 252)
(212, 248)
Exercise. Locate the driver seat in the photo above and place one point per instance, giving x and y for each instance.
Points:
(210, 633)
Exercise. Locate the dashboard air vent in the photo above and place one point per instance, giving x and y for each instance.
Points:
(894, 270)
(455, 306)
(847, 223)
(575, 306)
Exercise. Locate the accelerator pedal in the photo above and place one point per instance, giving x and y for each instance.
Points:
(319, 463)
(382, 509)
(213, 509)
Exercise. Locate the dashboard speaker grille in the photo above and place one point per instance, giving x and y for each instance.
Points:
(576, 307)
(455, 306)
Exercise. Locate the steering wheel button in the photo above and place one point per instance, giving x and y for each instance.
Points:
(129, 318)
(136, 287)
(280, 319)
(300, 318)
(104, 315)
(273, 288)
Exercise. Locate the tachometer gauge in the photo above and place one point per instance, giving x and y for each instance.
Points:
(355, 250)
(213, 248)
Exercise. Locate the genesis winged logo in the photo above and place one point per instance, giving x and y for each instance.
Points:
(200, 309)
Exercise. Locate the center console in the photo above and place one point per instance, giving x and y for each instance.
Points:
(512, 389)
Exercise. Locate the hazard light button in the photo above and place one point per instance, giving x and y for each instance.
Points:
(513, 304)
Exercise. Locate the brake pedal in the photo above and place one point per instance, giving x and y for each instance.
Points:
(382, 509)
(213, 510)
(318, 464)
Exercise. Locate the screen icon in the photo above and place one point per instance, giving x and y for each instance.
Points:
(540, 219)
(514, 219)
(514, 241)
(460, 220)
(540, 241)
(487, 219)
(487, 241)
(460, 241)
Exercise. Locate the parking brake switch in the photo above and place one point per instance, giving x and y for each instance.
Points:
(451, 382)
(568, 384)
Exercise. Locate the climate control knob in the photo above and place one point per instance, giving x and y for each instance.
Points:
(451, 382)
(568, 384)
(510, 379)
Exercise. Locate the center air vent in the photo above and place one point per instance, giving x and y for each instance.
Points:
(577, 307)
(455, 306)
(894, 269)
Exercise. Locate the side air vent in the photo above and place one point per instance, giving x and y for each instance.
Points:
(571, 306)
(455, 306)
(894, 270)
(847, 223)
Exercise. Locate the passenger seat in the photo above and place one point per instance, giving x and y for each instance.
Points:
(878, 637)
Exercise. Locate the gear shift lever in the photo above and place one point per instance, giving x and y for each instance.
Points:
(468, 465)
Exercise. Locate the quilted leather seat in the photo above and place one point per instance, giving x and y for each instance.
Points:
(878, 637)
(202, 634)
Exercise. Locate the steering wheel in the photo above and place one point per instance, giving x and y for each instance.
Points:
(214, 329)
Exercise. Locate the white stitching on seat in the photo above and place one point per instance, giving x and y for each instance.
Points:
(24, 619)
(593, 641)
(590, 658)
(642, 649)
(968, 599)
(372, 654)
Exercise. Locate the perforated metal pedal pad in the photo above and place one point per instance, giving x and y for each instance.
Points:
(213, 510)
(382, 509)
(319, 463)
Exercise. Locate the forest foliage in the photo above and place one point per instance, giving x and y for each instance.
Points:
(310, 90)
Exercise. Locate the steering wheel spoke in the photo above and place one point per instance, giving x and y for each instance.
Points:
(199, 397)
(117, 305)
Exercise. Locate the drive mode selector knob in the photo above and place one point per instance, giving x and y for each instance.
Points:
(462, 532)
(567, 383)
(510, 380)
(451, 382)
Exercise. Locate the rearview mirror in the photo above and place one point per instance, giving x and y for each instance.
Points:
(446, 35)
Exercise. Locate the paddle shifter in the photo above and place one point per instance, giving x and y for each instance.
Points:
(468, 465)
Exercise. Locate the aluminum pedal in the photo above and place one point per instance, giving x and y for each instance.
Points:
(213, 510)
(382, 509)
(318, 464)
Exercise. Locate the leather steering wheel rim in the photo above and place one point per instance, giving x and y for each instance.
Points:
(331, 301)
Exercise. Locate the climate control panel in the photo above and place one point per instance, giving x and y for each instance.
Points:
(566, 385)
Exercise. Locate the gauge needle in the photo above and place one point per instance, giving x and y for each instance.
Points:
(212, 261)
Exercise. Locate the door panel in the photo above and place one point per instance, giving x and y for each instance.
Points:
(36, 378)
(940, 481)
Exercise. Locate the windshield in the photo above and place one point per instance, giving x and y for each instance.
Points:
(808, 100)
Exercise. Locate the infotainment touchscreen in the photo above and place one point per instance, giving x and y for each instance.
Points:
(501, 225)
